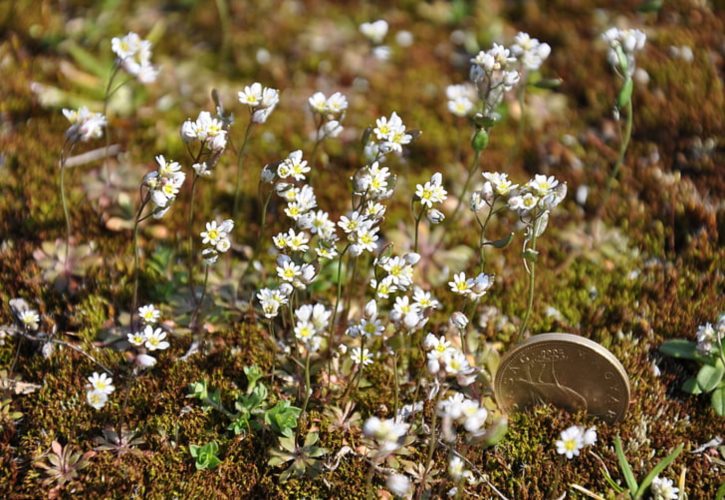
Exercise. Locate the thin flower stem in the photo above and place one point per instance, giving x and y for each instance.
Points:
(308, 384)
(339, 289)
(433, 438)
(350, 286)
(64, 201)
(240, 163)
(134, 302)
(106, 98)
(195, 316)
(190, 263)
(532, 277)
(622, 152)
(461, 197)
(260, 235)
(522, 121)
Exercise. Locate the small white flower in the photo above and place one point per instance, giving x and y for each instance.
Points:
(155, 339)
(149, 314)
(137, 339)
(30, 319)
(101, 383)
(571, 442)
(97, 399)
(431, 192)
(663, 489)
(361, 356)
(398, 484)
(460, 285)
(375, 31)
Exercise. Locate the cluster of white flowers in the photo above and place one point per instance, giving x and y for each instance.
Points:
(622, 46)
(530, 52)
(100, 387)
(151, 338)
(164, 184)
(398, 484)
(399, 276)
(369, 325)
(375, 182)
(216, 239)
(457, 470)
(261, 101)
(84, 125)
(208, 131)
(390, 135)
(461, 98)
(473, 288)
(331, 111)
(361, 232)
(461, 410)
(573, 439)
(709, 336)
(298, 275)
(388, 434)
(663, 488)
(311, 321)
(134, 55)
(271, 299)
(445, 360)
(494, 73)
(430, 193)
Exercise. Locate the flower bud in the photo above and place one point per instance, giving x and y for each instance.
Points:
(480, 140)
(459, 320)
(371, 310)
(435, 216)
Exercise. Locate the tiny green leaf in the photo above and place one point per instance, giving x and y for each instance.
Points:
(690, 386)
(710, 376)
(680, 348)
(718, 400)
(502, 243)
(624, 465)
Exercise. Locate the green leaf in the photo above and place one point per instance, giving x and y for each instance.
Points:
(690, 386)
(625, 95)
(624, 465)
(650, 6)
(657, 470)
(710, 376)
(680, 348)
(718, 400)
(720, 495)
(253, 373)
(502, 243)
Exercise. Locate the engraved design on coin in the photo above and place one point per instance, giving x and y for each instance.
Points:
(564, 370)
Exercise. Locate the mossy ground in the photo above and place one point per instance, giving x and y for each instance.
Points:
(652, 271)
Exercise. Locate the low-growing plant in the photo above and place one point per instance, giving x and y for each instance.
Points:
(205, 456)
(305, 458)
(709, 353)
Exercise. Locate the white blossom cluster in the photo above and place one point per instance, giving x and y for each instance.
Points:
(331, 111)
(457, 470)
(622, 46)
(573, 439)
(151, 338)
(461, 98)
(99, 388)
(494, 72)
(663, 488)
(389, 135)
(445, 360)
(530, 52)
(472, 288)
(375, 32)
(311, 322)
(429, 194)
(710, 336)
(208, 131)
(461, 410)
(388, 433)
(164, 185)
(84, 125)
(216, 239)
(134, 55)
(260, 100)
